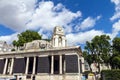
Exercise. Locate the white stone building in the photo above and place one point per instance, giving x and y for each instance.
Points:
(43, 60)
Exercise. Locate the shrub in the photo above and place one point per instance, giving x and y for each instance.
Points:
(110, 74)
(13, 50)
(87, 72)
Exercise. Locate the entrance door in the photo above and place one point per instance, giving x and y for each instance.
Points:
(56, 64)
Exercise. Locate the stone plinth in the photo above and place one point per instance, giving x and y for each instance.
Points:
(58, 77)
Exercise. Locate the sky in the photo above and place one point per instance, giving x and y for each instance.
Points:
(82, 20)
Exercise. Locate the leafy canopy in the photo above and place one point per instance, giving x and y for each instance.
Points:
(115, 59)
(99, 47)
(25, 37)
(98, 50)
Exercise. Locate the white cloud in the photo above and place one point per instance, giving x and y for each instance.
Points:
(116, 26)
(115, 16)
(117, 10)
(9, 38)
(116, 29)
(47, 16)
(15, 13)
(87, 23)
(116, 2)
(19, 15)
(82, 37)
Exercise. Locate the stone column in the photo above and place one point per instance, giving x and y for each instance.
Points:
(83, 65)
(56, 41)
(5, 67)
(60, 61)
(78, 65)
(27, 64)
(63, 41)
(52, 64)
(34, 65)
(64, 66)
(11, 66)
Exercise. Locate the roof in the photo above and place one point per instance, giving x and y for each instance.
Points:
(54, 51)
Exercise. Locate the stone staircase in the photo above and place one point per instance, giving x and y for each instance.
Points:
(58, 77)
(28, 79)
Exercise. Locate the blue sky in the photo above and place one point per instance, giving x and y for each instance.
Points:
(81, 19)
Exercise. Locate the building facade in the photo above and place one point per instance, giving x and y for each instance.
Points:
(4, 47)
(43, 60)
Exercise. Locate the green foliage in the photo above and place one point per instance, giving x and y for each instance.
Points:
(116, 44)
(87, 72)
(13, 50)
(15, 43)
(25, 37)
(115, 61)
(88, 57)
(110, 74)
(98, 49)
(115, 58)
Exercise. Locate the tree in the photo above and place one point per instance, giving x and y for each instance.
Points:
(99, 48)
(116, 44)
(25, 37)
(88, 58)
(115, 58)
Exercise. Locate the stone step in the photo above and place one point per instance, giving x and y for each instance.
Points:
(28, 79)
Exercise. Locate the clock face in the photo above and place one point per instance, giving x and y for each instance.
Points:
(59, 29)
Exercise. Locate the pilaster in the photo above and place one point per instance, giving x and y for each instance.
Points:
(60, 61)
(64, 66)
(11, 66)
(34, 65)
(83, 65)
(63, 41)
(52, 64)
(78, 65)
(27, 64)
(5, 67)
(56, 41)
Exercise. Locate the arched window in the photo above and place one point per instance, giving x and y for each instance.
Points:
(60, 41)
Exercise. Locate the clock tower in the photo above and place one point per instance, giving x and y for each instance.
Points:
(58, 38)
